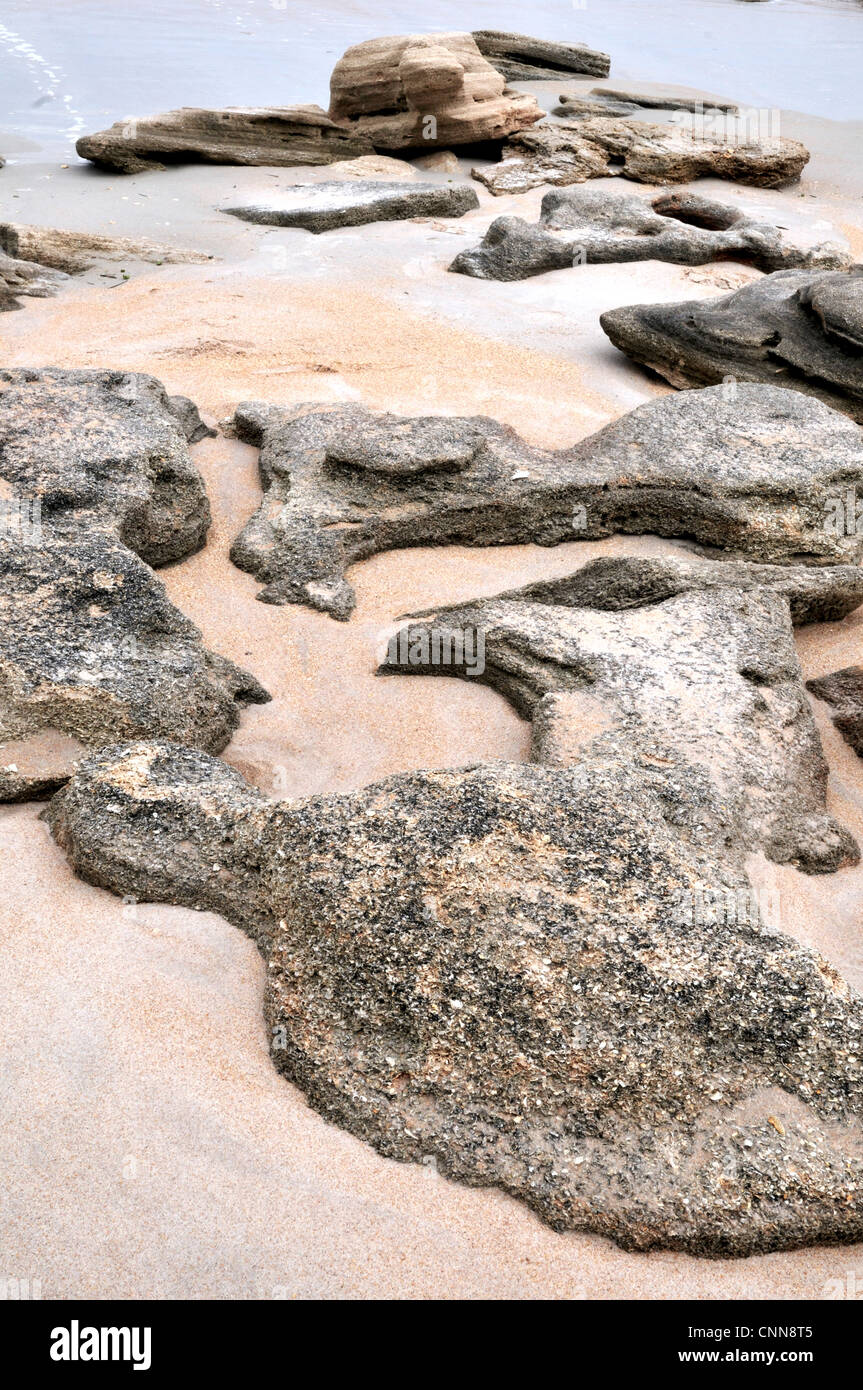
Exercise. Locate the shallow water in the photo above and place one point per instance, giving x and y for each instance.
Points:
(75, 65)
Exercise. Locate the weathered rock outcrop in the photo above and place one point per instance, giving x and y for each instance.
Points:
(667, 654)
(626, 102)
(555, 980)
(25, 278)
(844, 690)
(96, 485)
(519, 58)
(583, 226)
(801, 329)
(597, 147)
(750, 471)
(73, 252)
(422, 91)
(322, 207)
(276, 135)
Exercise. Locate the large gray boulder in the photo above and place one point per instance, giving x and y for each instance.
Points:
(97, 485)
(588, 226)
(750, 471)
(800, 329)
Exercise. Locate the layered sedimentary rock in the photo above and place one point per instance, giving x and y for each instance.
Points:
(750, 470)
(574, 151)
(553, 978)
(798, 328)
(844, 690)
(519, 58)
(583, 226)
(276, 135)
(322, 207)
(96, 485)
(73, 252)
(667, 654)
(421, 91)
(19, 278)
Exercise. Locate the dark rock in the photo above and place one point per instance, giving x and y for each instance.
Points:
(425, 91)
(579, 226)
(552, 980)
(273, 135)
(96, 485)
(321, 207)
(573, 151)
(844, 690)
(751, 471)
(188, 417)
(519, 58)
(666, 656)
(800, 329)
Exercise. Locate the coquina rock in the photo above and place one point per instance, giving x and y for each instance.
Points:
(624, 96)
(323, 207)
(573, 151)
(96, 485)
(19, 278)
(422, 91)
(666, 654)
(556, 980)
(844, 690)
(802, 329)
(584, 226)
(277, 135)
(520, 58)
(73, 252)
(750, 470)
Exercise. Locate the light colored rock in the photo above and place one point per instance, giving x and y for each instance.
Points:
(324, 206)
(73, 252)
(442, 161)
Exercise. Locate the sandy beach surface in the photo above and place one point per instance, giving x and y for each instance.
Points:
(149, 1149)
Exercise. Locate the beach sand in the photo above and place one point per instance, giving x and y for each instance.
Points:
(150, 1150)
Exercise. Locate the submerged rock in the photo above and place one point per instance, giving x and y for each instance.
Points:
(554, 980)
(668, 653)
(275, 135)
(574, 151)
(751, 471)
(520, 58)
(96, 485)
(588, 226)
(419, 91)
(800, 329)
(844, 690)
(322, 207)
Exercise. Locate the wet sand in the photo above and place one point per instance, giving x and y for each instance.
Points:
(150, 1148)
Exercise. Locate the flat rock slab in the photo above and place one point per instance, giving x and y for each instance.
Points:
(97, 485)
(73, 252)
(266, 135)
(587, 226)
(751, 472)
(600, 147)
(323, 207)
(520, 58)
(802, 329)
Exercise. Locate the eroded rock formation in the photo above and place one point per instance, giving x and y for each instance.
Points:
(73, 252)
(422, 91)
(751, 470)
(275, 135)
(844, 690)
(802, 329)
(573, 151)
(519, 58)
(19, 278)
(322, 207)
(96, 485)
(584, 226)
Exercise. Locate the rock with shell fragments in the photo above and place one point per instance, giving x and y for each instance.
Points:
(749, 471)
(553, 980)
(573, 151)
(588, 226)
(420, 91)
(267, 135)
(520, 58)
(844, 691)
(73, 252)
(800, 329)
(326, 206)
(639, 653)
(96, 485)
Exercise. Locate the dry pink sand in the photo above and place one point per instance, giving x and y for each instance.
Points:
(150, 1149)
